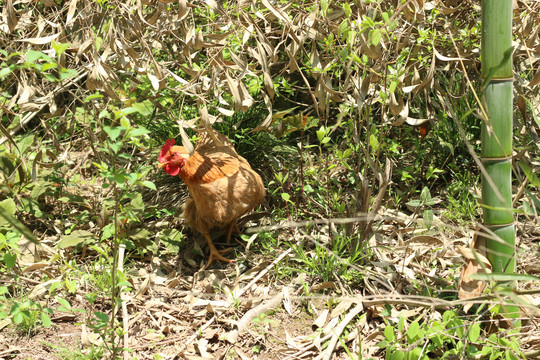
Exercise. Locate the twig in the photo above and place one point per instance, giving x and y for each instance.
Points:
(327, 355)
(262, 273)
(256, 311)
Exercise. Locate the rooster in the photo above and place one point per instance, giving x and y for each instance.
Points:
(222, 186)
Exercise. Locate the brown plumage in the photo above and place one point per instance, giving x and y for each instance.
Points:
(222, 185)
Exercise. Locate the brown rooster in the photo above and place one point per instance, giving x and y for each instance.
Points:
(222, 185)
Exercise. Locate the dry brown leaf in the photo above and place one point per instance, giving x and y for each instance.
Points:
(468, 288)
(40, 40)
(71, 11)
(12, 18)
(323, 286)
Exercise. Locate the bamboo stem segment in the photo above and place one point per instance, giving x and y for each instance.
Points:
(496, 153)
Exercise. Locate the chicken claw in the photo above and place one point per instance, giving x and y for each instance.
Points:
(215, 254)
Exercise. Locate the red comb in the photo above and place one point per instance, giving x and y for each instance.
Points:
(165, 149)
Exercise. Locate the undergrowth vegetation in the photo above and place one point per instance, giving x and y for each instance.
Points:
(361, 118)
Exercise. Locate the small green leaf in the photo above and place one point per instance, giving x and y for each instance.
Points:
(101, 316)
(529, 173)
(136, 132)
(414, 203)
(120, 178)
(148, 184)
(144, 108)
(64, 303)
(113, 132)
(48, 66)
(9, 207)
(389, 333)
(32, 56)
(108, 231)
(376, 37)
(59, 47)
(45, 320)
(10, 259)
(428, 218)
(17, 225)
(7, 70)
(68, 73)
(75, 238)
(18, 318)
(92, 97)
(286, 196)
(413, 331)
(474, 332)
(374, 142)
(425, 196)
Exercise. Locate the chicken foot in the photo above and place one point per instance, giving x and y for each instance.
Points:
(215, 254)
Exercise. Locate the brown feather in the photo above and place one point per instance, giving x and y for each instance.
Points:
(222, 185)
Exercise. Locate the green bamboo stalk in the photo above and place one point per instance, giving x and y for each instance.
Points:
(496, 136)
(497, 132)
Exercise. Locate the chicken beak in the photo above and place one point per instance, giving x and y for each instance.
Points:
(161, 165)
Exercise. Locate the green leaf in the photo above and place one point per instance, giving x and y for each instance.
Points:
(59, 47)
(68, 73)
(101, 316)
(376, 37)
(398, 355)
(108, 231)
(8, 205)
(18, 318)
(414, 203)
(413, 331)
(286, 196)
(92, 97)
(48, 66)
(144, 108)
(64, 303)
(75, 238)
(148, 184)
(529, 173)
(45, 320)
(7, 70)
(389, 333)
(141, 235)
(374, 142)
(10, 259)
(425, 196)
(120, 178)
(428, 218)
(32, 56)
(136, 132)
(32, 206)
(474, 332)
(113, 132)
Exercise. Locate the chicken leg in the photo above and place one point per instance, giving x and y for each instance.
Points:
(215, 254)
(233, 226)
